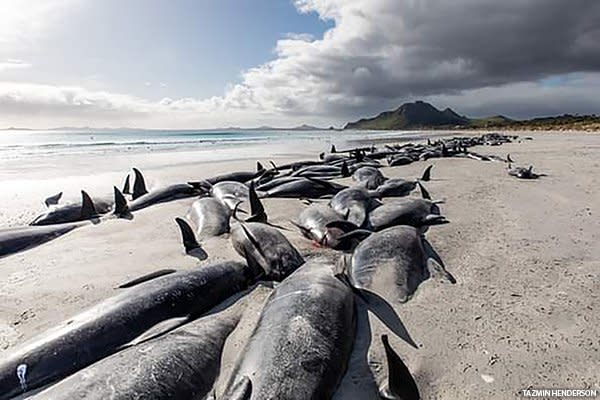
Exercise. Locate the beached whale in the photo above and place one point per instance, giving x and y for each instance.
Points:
(13, 240)
(393, 262)
(302, 342)
(304, 187)
(266, 186)
(266, 249)
(368, 177)
(398, 187)
(323, 171)
(74, 212)
(354, 203)
(209, 216)
(522, 172)
(143, 198)
(230, 193)
(400, 159)
(239, 176)
(313, 222)
(418, 212)
(148, 309)
(182, 364)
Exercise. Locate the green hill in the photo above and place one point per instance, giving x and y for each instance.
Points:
(422, 115)
(411, 116)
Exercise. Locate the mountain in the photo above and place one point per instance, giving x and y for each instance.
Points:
(493, 121)
(415, 115)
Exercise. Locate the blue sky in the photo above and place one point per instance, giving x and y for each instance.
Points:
(195, 48)
(212, 63)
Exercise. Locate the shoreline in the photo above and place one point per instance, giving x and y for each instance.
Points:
(524, 254)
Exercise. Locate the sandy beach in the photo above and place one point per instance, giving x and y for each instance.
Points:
(525, 254)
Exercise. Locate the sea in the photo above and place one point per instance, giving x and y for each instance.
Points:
(35, 164)
(22, 144)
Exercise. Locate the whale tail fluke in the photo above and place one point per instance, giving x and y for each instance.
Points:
(401, 384)
(53, 200)
(139, 184)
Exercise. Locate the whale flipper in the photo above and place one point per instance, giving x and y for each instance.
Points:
(147, 277)
(401, 385)
(434, 219)
(88, 210)
(241, 391)
(424, 193)
(139, 184)
(157, 330)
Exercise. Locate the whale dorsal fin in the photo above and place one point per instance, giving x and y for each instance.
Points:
(259, 167)
(427, 174)
(257, 211)
(139, 184)
(401, 384)
(121, 206)
(87, 206)
(345, 171)
(187, 235)
(333, 149)
(127, 186)
(147, 277)
(274, 165)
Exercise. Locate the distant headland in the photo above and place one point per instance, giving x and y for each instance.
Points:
(422, 115)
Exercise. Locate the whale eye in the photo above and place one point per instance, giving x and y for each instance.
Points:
(313, 364)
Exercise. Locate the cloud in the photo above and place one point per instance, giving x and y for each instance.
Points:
(39, 105)
(13, 64)
(383, 51)
(520, 58)
(22, 22)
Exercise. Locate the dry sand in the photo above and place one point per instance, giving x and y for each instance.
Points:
(524, 312)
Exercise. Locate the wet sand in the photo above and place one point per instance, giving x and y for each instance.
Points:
(523, 313)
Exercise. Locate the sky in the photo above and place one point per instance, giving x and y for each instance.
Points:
(219, 63)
